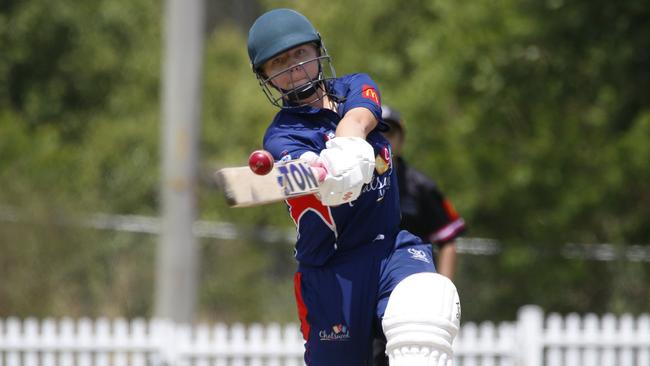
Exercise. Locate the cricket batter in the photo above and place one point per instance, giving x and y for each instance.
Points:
(357, 272)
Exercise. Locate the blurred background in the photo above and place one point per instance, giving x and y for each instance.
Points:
(532, 116)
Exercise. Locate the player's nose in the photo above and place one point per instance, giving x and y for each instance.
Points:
(298, 68)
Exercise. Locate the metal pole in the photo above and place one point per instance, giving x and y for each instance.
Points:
(177, 259)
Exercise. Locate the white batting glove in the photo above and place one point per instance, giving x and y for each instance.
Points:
(350, 162)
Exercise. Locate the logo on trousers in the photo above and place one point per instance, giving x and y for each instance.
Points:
(420, 255)
(339, 332)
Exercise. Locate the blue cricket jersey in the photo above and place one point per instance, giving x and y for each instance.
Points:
(323, 230)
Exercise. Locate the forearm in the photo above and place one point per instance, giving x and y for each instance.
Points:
(357, 122)
(447, 260)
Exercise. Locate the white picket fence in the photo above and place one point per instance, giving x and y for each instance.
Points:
(533, 340)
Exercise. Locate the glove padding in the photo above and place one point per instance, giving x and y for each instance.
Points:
(350, 162)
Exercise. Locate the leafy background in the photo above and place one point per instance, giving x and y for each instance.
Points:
(532, 116)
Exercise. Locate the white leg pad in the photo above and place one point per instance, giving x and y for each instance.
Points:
(421, 320)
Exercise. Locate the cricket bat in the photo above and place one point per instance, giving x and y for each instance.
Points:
(293, 178)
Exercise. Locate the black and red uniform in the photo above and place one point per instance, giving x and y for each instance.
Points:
(425, 210)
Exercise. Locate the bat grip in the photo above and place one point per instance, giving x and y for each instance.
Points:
(319, 172)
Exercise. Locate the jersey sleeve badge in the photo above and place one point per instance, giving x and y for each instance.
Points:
(369, 92)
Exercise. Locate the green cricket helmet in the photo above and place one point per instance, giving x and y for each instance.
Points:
(275, 32)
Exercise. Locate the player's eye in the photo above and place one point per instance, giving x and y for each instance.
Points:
(302, 52)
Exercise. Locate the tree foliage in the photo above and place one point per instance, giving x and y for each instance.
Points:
(532, 116)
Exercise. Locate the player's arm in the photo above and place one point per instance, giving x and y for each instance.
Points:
(448, 226)
(447, 260)
(357, 122)
(348, 158)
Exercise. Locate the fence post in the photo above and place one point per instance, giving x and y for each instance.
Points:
(530, 326)
(164, 342)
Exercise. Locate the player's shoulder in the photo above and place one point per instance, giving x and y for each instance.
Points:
(358, 90)
(286, 120)
(293, 133)
(281, 124)
(356, 78)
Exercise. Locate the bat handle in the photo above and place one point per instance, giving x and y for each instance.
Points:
(319, 172)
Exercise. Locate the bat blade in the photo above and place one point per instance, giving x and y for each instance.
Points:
(243, 188)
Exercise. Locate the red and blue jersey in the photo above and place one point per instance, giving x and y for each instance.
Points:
(375, 215)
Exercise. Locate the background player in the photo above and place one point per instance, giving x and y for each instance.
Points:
(356, 269)
(425, 210)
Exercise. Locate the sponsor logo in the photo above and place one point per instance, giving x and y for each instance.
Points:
(419, 255)
(286, 157)
(383, 161)
(380, 184)
(347, 196)
(295, 178)
(369, 92)
(339, 332)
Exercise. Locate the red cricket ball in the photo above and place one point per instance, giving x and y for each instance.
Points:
(261, 162)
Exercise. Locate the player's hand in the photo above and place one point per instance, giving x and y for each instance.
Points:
(350, 162)
(349, 154)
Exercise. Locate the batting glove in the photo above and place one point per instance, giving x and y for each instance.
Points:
(350, 163)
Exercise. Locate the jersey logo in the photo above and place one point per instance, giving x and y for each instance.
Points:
(370, 93)
(300, 205)
(383, 160)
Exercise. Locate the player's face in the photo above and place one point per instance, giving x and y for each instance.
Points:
(293, 68)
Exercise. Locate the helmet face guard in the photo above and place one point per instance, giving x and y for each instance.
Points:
(277, 31)
(304, 94)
